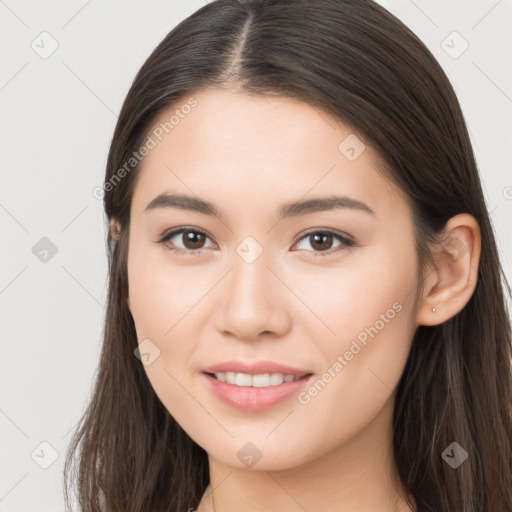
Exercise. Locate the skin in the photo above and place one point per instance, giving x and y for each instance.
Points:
(248, 155)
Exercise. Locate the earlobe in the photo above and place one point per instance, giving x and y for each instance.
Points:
(452, 283)
(115, 228)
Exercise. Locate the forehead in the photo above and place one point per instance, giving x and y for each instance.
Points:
(239, 148)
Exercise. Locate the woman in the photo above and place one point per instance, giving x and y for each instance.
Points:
(306, 308)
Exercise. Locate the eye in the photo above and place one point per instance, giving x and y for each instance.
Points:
(321, 242)
(192, 238)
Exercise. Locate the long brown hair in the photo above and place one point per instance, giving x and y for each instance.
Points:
(359, 63)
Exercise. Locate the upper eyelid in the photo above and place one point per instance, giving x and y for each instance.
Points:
(178, 231)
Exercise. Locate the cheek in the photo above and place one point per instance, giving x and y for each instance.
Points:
(162, 307)
(369, 309)
(367, 287)
(162, 296)
(362, 366)
(161, 304)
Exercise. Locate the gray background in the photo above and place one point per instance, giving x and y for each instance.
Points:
(58, 113)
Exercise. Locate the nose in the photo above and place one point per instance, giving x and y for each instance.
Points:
(253, 302)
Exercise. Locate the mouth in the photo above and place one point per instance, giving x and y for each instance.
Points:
(260, 380)
(255, 392)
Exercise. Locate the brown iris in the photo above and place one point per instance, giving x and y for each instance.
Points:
(321, 241)
(193, 240)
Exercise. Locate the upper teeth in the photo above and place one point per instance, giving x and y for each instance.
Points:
(257, 381)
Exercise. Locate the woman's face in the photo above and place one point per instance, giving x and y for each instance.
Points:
(255, 286)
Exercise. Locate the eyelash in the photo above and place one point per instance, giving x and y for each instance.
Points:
(348, 243)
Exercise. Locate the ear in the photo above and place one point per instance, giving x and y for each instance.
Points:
(115, 228)
(451, 284)
(115, 233)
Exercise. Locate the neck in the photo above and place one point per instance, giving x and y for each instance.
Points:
(357, 475)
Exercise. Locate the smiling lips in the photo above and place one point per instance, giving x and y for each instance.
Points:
(260, 380)
(259, 374)
(256, 386)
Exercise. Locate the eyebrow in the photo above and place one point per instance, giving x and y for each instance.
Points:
(292, 209)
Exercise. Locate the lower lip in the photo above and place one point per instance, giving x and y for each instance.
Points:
(254, 399)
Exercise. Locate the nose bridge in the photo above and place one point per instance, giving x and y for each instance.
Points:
(252, 303)
(250, 279)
